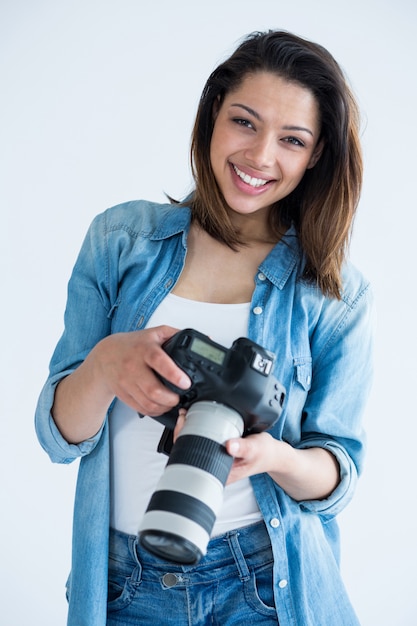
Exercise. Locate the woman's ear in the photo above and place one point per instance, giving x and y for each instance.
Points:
(316, 154)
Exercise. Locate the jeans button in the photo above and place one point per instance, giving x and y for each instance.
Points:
(169, 580)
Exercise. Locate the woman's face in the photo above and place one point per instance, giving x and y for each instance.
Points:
(265, 136)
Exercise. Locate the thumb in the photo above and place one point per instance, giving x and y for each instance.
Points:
(234, 447)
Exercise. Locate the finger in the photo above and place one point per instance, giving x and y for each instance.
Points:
(180, 423)
(246, 448)
(234, 447)
(161, 362)
(147, 394)
(143, 405)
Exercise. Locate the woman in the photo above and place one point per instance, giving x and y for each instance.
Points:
(257, 250)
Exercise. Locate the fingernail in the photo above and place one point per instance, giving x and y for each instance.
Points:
(234, 447)
(184, 383)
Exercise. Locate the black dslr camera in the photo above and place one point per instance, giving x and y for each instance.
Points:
(239, 377)
(233, 394)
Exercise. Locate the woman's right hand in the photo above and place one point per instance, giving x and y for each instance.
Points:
(127, 363)
(122, 365)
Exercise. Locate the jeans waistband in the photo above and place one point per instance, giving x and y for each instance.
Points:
(236, 545)
(232, 584)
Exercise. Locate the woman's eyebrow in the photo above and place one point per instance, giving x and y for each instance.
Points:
(258, 117)
(248, 109)
(299, 128)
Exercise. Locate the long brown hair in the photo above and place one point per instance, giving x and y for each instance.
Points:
(323, 205)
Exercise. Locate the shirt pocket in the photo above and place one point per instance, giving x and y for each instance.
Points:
(303, 372)
(297, 392)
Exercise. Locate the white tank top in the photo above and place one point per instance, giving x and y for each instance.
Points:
(136, 466)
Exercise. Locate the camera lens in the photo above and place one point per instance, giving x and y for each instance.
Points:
(173, 547)
(182, 511)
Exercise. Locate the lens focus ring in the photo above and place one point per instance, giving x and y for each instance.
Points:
(202, 453)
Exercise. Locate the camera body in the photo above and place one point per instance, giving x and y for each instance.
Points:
(239, 377)
(233, 394)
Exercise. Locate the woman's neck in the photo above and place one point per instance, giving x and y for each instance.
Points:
(213, 272)
(253, 229)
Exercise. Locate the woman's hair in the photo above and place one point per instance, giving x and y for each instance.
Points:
(323, 205)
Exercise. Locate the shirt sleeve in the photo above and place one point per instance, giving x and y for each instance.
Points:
(341, 381)
(87, 320)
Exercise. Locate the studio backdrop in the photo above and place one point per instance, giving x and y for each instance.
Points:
(97, 104)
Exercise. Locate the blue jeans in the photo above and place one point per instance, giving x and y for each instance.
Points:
(232, 584)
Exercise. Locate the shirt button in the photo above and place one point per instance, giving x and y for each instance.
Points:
(258, 310)
(274, 522)
(261, 276)
(282, 583)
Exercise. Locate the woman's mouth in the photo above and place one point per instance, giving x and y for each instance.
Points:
(250, 180)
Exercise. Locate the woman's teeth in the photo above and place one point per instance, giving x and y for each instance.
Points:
(253, 182)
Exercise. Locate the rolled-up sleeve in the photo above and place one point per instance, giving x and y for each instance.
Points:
(341, 382)
(87, 321)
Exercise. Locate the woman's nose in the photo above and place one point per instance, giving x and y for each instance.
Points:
(262, 151)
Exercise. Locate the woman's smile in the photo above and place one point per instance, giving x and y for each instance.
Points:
(248, 179)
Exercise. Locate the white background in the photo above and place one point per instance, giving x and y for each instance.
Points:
(97, 103)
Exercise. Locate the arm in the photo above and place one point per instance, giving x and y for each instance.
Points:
(321, 466)
(309, 474)
(90, 365)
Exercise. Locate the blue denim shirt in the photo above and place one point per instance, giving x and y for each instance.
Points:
(131, 258)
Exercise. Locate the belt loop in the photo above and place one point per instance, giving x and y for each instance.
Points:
(133, 546)
(233, 540)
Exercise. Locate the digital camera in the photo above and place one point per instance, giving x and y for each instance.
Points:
(233, 394)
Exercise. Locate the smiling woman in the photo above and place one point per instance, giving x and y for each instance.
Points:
(314, 82)
(257, 250)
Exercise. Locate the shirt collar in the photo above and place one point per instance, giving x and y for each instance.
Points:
(283, 258)
(277, 266)
(176, 220)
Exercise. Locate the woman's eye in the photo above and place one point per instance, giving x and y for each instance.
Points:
(242, 122)
(294, 141)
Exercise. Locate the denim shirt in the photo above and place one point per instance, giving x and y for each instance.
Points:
(131, 258)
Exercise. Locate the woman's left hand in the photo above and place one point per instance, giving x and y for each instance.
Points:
(253, 454)
(304, 474)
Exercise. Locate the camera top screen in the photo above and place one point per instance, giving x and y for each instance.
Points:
(208, 351)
